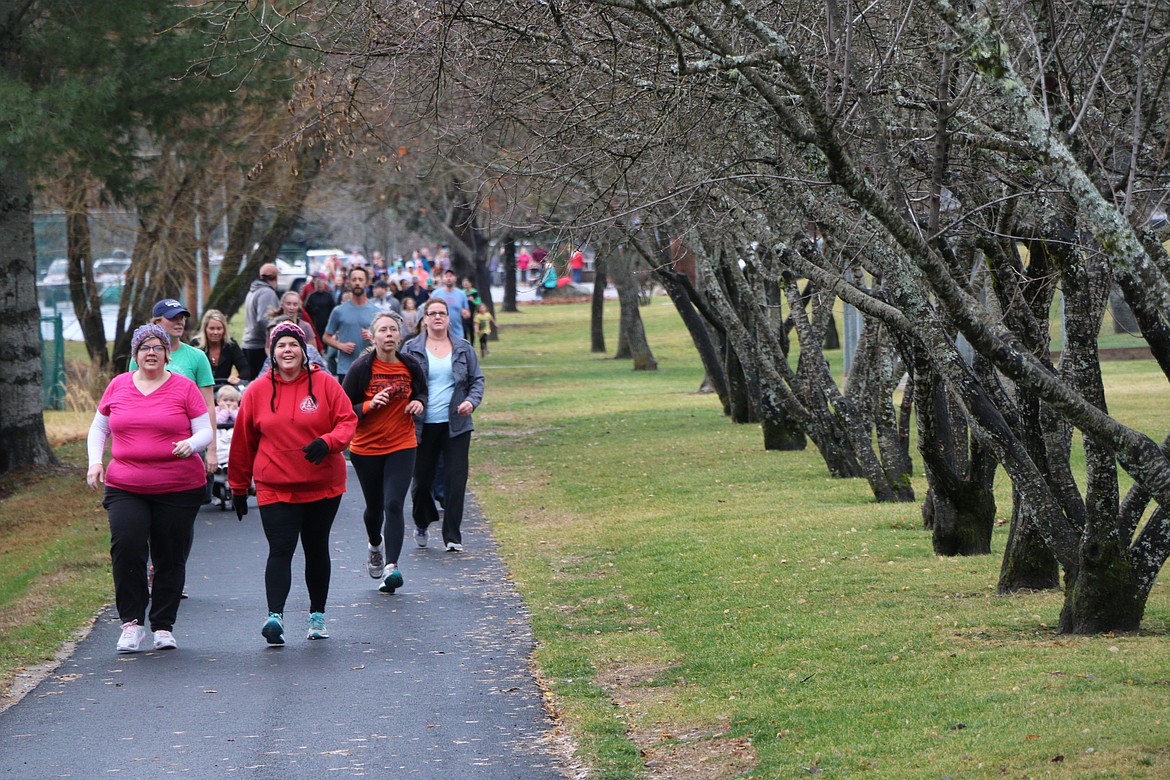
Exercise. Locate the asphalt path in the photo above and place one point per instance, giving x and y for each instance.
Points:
(431, 682)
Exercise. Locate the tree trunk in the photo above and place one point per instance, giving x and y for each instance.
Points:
(781, 432)
(83, 292)
(960, 505)
(1124, 320)
(961, 520)
(716, 378)
(510, 275)
(230, 291)
(22, 422)
(1101, 594)
(631, 334)
(1028, 564)
(597, 308)
(741, 400)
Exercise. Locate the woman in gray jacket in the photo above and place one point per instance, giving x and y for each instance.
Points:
(454, 391)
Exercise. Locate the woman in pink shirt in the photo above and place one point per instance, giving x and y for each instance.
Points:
(154, 484)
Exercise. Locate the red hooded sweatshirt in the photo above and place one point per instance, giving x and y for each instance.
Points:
(278, 418)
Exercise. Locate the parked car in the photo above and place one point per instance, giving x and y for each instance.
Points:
(110, 271)
(55, 283)
(291, 275)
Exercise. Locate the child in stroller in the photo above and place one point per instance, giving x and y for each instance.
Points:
(227, 405)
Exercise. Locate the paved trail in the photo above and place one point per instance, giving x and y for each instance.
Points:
(431, 682)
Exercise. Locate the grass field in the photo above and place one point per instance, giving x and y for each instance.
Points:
(705, 609)
(708, 609)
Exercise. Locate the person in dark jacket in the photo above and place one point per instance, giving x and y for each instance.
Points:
(386, 388)
(261, 299)
(454, 390)
(221, 349)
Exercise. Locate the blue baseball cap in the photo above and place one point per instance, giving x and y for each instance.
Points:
(169, 308)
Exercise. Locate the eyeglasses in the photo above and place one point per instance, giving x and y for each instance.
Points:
(158, 348)
(437, 314)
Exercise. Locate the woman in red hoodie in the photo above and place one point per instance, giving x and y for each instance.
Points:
(290, 431)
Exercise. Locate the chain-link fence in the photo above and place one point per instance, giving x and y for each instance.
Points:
(53, 362)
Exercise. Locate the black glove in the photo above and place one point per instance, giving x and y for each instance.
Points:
(315, 451)
(240, 504)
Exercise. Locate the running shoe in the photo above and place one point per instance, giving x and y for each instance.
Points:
(132, 636)
(392, 581)
(420, 536)
(273, 629)
(454, 547)
(376, 562)
(317, 626)
(164, 640)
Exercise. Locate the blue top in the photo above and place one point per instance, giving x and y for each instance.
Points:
(440, 388)
(456, 302)
(468, 381)
(345, 324)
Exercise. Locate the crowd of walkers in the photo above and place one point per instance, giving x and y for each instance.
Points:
(377, 369)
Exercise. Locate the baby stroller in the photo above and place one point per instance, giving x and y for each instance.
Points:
(220, 492)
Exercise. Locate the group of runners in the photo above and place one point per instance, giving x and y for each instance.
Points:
(400, 407)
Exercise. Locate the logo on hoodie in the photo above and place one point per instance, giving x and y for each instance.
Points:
(308, 405)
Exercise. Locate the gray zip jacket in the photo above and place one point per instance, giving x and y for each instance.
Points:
(261, 299)
(468, 380)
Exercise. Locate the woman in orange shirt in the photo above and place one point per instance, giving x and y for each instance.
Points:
(387, 389)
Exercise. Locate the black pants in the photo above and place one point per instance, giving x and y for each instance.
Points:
(385, 480)
(284, 524)
(436, 441)
(157, 527)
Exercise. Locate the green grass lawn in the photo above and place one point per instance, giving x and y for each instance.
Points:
(708, 609)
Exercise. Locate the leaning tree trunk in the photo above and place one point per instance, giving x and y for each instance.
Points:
(716, 378)
(22, 422)
(229, 293)
(83, 292)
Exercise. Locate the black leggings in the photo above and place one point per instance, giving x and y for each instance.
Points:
(158, 526)
(384, 480)
(283, 525)
(455, 450)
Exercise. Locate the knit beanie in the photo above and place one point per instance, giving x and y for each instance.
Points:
(150, 331)
(288, 329)
(294, 330)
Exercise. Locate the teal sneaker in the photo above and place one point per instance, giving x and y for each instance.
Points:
(273, 629)
(392, 581)
(317, 626)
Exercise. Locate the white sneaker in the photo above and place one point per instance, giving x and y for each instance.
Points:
(164, 640)
(420, 536)
(454, 547)
(132, 636)
(376, 561)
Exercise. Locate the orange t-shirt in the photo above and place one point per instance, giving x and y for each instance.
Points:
(390, 428)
